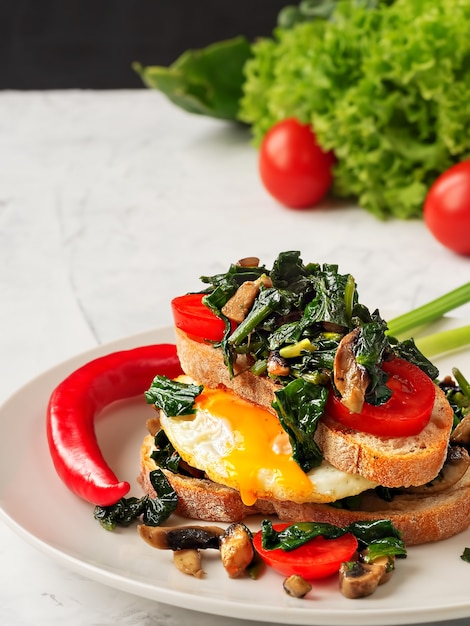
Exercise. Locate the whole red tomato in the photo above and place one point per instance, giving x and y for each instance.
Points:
(293, 167)
(447, 208)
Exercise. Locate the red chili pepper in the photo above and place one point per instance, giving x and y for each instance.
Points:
(76, 401)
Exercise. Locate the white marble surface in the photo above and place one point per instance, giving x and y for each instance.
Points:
(110, 204)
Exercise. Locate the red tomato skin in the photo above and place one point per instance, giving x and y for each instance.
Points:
(446, 209)
(293, 167)
(405, 414)
(194, 318)
(316, 559)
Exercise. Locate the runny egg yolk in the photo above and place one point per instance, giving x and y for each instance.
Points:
(261, 458)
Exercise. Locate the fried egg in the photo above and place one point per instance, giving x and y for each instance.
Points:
(242, 445)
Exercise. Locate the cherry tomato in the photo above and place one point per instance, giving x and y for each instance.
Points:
(194, 318)
(317, 558)
(293, 167)
(447, 208)
(407, 411)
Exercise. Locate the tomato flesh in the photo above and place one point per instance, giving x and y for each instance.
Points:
(405, 414)
(197, 320)
(446, 209)
(293, 167)
(318, 558)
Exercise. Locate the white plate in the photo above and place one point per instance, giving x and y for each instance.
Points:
(432, 584)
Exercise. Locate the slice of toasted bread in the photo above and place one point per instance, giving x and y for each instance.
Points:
(421, 518)
(388, 461)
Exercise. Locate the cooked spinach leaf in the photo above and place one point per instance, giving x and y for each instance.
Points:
(165, 455)
(300, 405)
(408, 350)
(123, 513)
(329, 304)
(297, 534)
(465, 556)
(153, 511)
(159, 509)
(370, 349)
(173, 397)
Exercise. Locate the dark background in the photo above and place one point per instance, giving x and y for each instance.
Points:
(61, 44)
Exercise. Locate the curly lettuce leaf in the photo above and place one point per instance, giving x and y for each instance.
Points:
(207, 81)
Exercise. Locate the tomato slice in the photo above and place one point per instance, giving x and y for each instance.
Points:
(405, 414)
(318, 558)
(197, 320)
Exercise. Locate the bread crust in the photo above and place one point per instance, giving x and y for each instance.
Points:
(388, 461)
(420, 518)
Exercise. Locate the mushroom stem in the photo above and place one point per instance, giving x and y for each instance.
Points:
(296, 586)
(189, 562)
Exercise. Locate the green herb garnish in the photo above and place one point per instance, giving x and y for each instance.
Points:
(173, 397)
(153, 511)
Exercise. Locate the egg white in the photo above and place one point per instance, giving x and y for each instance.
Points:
(212, 444)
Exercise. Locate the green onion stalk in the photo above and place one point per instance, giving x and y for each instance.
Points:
(440, 342)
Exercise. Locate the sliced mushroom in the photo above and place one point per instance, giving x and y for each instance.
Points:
(181, 537)
(350, 378)
(461, 433)
(237, 308)
(236, 549)
(296, 586)
(358, 580)
(189, 562)
(277, 365)
(455, 466)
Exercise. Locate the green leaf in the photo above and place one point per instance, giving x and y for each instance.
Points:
(300, 405)
(159, 509)
(297, 534)
(123, 513)
(173, 397)
(165, 455)
(206, 81)
(329, 303)
(465, 556)
(408, 350)
(154, 511)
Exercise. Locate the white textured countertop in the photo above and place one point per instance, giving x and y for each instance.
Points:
(110, 204)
